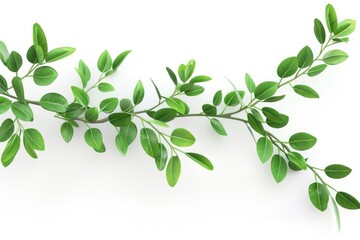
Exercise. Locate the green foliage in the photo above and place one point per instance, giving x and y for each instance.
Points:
(288, 67)
(59, 53)
(10, 151)
(305, 91)
(44, 76)
(54, 102)
(331, 18)
(22, 111)
(232, 99)
(319, 196)
(109, 105)
(104, 63)
(182, 137)
(347, 201)
(93, 138)
(319, 31)
(139, 93)
(217, 99)
(302, 141)
(173, 171)
(201, 160)
(80, 96)
(264, 148)
(265, 90)
(278, 168)
(334, 57)
(337, 171)
(218, 127)
(14, 61)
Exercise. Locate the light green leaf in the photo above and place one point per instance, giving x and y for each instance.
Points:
(67, 131)
(149, 142)
(59, 53)
(201, 160)
(139, 93)
(93, 138)
(305, 57)
(5, 105)
(4, 53)
(194, 90)
(314, 71)
(54, 102)
(345, 28)
(278, 168)
(217, 98)
(288, 67)
(18, 88)
(92, 114)
(10, 151)
(337, 171)
(331, 18)
(250, 84)
(264, 149)
(14, 62)
(172, 75)
(231, 99)
(255, 124)
(109, 105)
(199, 79)
(6, 129)
(129, 131)
(319, 196)
(104, 63)
(22, 111)
(34, 138)
(176, 104)
(44, 76)
(306, 91)
(218, 127)
(119, 59)
(182, 137)
(297, 159)
(105, 87)
(84, 73)
(189, 69)
(334, 57)
(121, 143)
(80, 96)
(173, 171)
(265, 90)
(39, 38)
(302, 141)
(161, 158)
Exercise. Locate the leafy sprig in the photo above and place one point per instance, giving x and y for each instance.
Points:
(168, 147)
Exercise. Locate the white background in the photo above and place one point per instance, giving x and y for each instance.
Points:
(71, 192)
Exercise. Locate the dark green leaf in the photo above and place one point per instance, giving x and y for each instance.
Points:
(173, 171)
(3, 84)
(347, 201)
(59, 53)
(165, 114)
(232, 99)
(109, 105)
(288, 67)
(334, 57)
(189, 69)
(126, 105)
(139, 93)
(119, 59)
(14, 61)
(84, 73)
(29, 149)
(74, 110)
(201, 160)
(274, 118)
(161, 158)
(199, 79)
(340, 40)
(129, 131)
(34, 138)
(176, 104)
(306, 91)
(5, 105)
(314, 71)
(297, 159)
(250, 84)
(104, 63)
(67, 131)
(10, 151)
(345, 28)
(209, 110)
(18, 88)
(305, 57)
(44, 76)
(265, 90)
(6, 129)
(337, 171)
(35, 54)
(217, 98)
(319, 196)
(331, 18)
(302, 141)
(256, 124)
(80, 96)
(319, 31)
(39, 38)
(149, 142)
(264, 149)
(54, 102)
(105, 87)
(93, 138)
(22, 111)
(274, 98)
(257, 115)
(157, 90)
(278, 168)
(92, 114)
(182, 137)
(172, 75)
(218, 127)
(181, 72)
(120, 119)
(194, 90)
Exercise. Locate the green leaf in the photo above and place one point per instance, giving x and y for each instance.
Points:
(54, 102)
(176, 104)
(74, 110)
(297, 159)
(44, 76)
(347, 201)
(18, 88)
(165, 114)
(334, 57)
(250, 84)
(105, 87)
(59, 53)
(109, 105)
(34, 138)
(4, 53)
(201, 160)
(264, 149)
(92, 114)
(218, 127)
(302, 141)
(331, 18)
(5, 105)
(173, 75)
(189, 69)
(104, 63)
(35, 54)
(231, 99)
(278, 168)
(22, 111)
(29, 149)
(305, 57)
(80, 96)
(337, 171)
(129, 131)
(14, 61)
(209, 110)
(126, 105)
(6, 129)
(139, 93)
(84, 73)
(345, 28)
(199, 79)
(288, 67)
(265, 90)
(274, 98)
(217, 98)
(119, 119)
(182, 137)
(314, 71)
(319, 196)
(67, 131)
(319, 31)
(306, 91)
(256, 124)
(93, 138)
(157, 90)
(149, 142)
(173, 171)
(10, 151)
(274, 118)
(3, 84)
(39, 38)
(121, 143)
(119, 59)
(161, 158)
(337, 214)
(194, 90)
